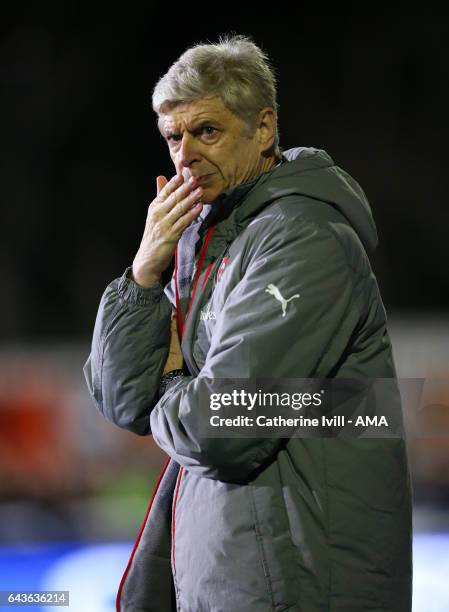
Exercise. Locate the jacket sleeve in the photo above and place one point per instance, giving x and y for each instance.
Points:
(252, 339)
(129, 349)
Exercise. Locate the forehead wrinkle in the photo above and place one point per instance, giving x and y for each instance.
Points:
(189, 117)
(189, 123)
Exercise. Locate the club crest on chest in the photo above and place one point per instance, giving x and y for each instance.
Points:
(221, 269)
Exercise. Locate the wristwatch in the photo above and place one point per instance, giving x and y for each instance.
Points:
(168, 378)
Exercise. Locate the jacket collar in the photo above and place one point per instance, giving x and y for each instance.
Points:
(233, 209)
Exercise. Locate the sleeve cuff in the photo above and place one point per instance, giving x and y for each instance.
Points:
(129, 291)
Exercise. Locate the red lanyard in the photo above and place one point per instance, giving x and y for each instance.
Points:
(181, 324)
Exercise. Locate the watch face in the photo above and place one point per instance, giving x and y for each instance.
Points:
(168, 377)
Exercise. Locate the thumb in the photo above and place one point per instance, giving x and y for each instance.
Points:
(161, 181)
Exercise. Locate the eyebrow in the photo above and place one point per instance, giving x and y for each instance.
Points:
(196, 127)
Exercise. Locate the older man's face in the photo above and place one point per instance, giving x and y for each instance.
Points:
(208, 141)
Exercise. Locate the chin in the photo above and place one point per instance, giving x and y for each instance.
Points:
(210, 195)
(213, 187)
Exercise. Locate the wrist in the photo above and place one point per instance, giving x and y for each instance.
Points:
(131, 292)
(145, 281)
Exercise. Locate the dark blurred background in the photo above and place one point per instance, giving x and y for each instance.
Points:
(79, 156)
(80, 149)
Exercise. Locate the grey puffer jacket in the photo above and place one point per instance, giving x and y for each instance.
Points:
(263, 524)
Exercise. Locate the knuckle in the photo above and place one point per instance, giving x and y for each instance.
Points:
(153, 217)
(178, 210)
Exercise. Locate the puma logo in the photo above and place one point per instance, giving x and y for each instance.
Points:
(274, 291)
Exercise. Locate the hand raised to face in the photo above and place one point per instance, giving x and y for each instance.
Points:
(176, 205)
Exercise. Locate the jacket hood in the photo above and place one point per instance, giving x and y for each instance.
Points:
(312, 172)
(303, 171)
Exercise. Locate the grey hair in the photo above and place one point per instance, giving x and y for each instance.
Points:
(235, 69)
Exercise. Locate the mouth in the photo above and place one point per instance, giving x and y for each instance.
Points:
(204, 177)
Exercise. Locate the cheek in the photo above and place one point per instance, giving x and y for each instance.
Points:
(239, 160)
(174, 159)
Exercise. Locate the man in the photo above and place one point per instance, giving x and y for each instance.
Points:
(272, 280)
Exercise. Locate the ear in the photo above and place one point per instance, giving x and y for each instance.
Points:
(266, 129)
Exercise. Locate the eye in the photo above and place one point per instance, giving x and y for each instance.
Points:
(208, 130)
(173, 137)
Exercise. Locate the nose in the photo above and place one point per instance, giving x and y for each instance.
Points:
(188, 151)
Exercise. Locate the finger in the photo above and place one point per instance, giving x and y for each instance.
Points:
(161, 181)
(186, 219)
(177, 196)
(170, 187)
(184, 205)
